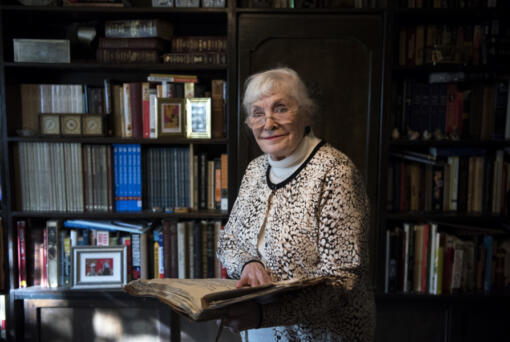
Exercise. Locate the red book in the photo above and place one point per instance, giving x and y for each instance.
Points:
(135, 99)
(146, 111)
(22, 264)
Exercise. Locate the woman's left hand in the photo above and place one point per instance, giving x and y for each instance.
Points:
(242, 316)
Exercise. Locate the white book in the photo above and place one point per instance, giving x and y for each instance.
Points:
(153, 120)
(128, 128)
(182, 257)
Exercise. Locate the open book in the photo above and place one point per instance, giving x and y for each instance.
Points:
(206, 299)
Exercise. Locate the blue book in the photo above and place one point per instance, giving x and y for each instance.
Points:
(135, 228)
(138, 178)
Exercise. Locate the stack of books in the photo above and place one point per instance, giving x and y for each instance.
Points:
(133, 41)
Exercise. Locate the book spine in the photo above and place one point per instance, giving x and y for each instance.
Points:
(146, 111)
(203, 181)
(22, 264)
(126, 241)
(197, 250)
(216, 58)
(134, 29)
(67, 261)
(210, 185)
(136, 256)
(161, 257)
(156, 253)
(136, 103)
(144, 256)
(199, 44)
(182, 256)
(153, 119)
(44, 279)
(131, 43)
(210, 250)
(224, 182)
(53, 228)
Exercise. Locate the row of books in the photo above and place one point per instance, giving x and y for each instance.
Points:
(312, 3)
(74, 178)
(458, 180)
(168, 249)
(155, 3)
(133, 105)
(451, 3)
(433, 44)
(427, 258)
(146, 41)
(453, 111)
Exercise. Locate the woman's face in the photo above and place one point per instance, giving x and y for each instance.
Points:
(277, 125)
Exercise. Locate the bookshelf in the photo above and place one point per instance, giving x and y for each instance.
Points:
(58, 22)
(404, 202)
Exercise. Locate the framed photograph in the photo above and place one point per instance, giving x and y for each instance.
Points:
(92, 124)
(99, 266)
(71, 124)
(198, 117)
(170, 114)
(49, 124)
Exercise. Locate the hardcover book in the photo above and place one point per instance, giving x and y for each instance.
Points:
(206, 299)
(146, 28)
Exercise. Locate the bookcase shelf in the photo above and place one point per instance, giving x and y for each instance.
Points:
(36, 292)
(113, 10)
(450, 217)
(491, 144)
(116, 140)
(92, 66)
(453, 298)
(204, 214)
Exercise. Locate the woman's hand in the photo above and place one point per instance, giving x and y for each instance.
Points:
(242, 317)
(254, 274)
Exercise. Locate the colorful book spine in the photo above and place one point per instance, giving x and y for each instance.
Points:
(136, 256)
(53, 228)
(22, 264)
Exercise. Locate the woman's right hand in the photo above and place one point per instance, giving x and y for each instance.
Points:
(254, 274)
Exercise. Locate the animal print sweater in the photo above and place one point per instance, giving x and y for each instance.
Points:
(316, 225)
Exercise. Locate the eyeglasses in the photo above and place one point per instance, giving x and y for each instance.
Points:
(279, 114)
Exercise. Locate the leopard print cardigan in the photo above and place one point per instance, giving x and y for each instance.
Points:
(316, 225)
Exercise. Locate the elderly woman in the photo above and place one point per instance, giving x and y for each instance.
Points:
(301, 212)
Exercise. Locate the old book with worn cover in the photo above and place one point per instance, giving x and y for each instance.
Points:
(206, 299)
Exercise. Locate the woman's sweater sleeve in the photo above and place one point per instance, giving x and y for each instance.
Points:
(232, 252)
(343, 222)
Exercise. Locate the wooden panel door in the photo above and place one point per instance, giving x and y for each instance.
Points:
(340, 58)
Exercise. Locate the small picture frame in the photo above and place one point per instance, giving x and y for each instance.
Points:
(71, 124)
(92, 124)
(198, 117)
(49, 124)
(171, 117)
(99, 266)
